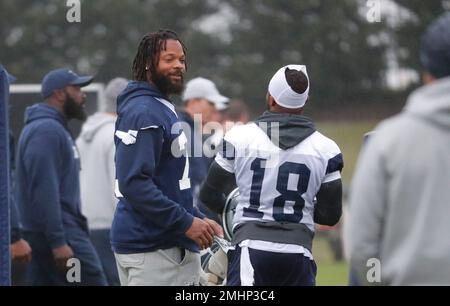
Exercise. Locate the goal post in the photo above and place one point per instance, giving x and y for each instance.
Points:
(98, 88)
(24, 95)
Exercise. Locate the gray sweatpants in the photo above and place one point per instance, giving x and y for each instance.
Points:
(159, 268)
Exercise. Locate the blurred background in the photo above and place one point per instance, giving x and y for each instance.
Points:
(362, 57)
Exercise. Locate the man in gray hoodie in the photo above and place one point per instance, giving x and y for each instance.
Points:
(400, 198)
(96, 147)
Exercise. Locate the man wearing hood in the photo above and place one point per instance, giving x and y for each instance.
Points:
(156, 233)
(97, 176)
(48, 187)
(288, 175)
(400, 196)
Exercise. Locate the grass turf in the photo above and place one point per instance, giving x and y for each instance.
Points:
(348, 136)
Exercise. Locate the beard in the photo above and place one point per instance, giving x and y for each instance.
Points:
(165, 84)
(73, 110)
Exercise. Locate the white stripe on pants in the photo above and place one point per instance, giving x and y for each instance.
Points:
(247, 272)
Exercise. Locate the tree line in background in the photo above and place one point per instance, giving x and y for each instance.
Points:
(238, 44)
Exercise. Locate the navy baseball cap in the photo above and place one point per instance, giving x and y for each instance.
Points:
(435, 53)
(60, 78)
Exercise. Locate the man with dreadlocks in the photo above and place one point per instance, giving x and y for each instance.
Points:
(156, 232)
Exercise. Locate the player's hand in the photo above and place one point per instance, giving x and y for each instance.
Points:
(218, 230)
(201, 232)
(21, 252)
(61, 255)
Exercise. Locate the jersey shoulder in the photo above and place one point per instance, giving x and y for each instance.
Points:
(328, 150)
(325, 146)
(146, 112)
(242, 133)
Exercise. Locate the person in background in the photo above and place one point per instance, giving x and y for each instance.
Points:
(352, 277)
(237, 111)
(96, 147)
(203, 102)
(399, 202)
(48, 186)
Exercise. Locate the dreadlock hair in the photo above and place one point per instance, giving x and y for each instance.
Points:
(149, 50)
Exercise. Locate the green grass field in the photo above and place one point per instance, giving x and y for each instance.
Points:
(332, 274)
(329, 271)
(348, 136)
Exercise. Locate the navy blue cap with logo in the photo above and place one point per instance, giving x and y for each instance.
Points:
(61, 78)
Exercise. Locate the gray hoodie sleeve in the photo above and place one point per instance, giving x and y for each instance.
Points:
(367, 207)
(111, 168)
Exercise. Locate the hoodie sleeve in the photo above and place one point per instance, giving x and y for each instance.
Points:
(197, 213)
(135, 166)
(367, 207)
(16, 233)
(16, 230)
(111, 169)
(43, 161)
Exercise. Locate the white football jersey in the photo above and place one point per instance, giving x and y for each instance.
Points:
(275, 184)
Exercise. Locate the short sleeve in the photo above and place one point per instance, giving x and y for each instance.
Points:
(334, 161)
(334, 168)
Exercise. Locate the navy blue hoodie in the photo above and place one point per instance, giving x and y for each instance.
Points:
(155, 203)
(47, 176)
(16, 229)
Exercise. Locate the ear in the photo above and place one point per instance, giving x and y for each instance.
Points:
(270, 101)
(306, 102)
(148, 70)
(59, 94)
